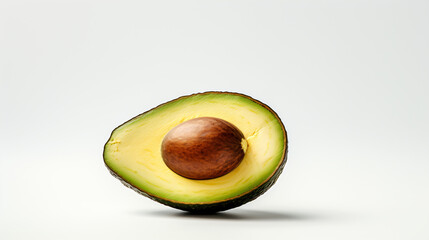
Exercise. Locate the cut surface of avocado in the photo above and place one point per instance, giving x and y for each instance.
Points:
(133, 151)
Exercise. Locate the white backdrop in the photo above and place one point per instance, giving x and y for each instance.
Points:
(350, 80)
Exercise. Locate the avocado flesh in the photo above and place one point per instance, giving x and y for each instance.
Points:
(133, 150)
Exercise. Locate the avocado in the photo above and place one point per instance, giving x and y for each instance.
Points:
(202, 153)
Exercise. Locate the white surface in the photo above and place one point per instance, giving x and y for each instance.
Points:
(350, 79)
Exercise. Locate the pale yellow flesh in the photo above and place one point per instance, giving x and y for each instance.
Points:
(134, 149)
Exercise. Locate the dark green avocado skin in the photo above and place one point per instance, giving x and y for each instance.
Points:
(221, 205)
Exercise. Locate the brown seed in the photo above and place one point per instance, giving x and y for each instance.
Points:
(203, 148)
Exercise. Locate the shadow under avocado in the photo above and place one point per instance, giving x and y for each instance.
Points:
(239, 215)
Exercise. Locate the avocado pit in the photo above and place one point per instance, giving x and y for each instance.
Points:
(203, 148)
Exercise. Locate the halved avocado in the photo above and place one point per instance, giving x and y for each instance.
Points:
(133, 152)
